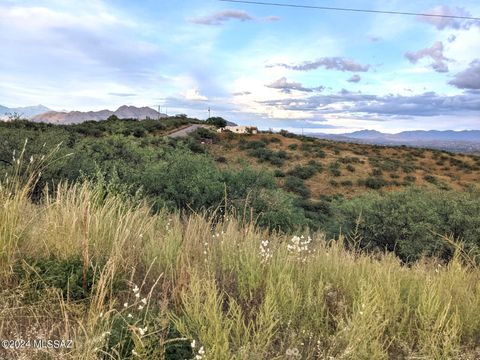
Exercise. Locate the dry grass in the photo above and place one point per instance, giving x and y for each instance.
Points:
(238, 291)
(446, 167)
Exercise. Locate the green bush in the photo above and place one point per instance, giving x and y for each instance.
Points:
(410, 222)
(410, 179)
(375, 182)
(431, 179)
(216, 121)
(304, 172)
(183, 180)
(276, 210)
(256, 144)
(297, 186)
(63, 274)
(334, 169)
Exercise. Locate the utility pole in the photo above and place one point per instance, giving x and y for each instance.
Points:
(159, 112)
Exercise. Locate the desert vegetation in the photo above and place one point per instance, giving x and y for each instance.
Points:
(138, 246)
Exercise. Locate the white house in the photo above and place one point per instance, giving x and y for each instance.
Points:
(240, 129)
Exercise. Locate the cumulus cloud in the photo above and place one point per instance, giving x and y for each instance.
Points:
(241, 93)
(194, 94)
(435, 52)
(221, 17)
(287, 87)
(330, 63)
(445, 22)
(355, 78)
(468, 78)
(426, 104)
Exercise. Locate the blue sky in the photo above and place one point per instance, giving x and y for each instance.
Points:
(274, 67)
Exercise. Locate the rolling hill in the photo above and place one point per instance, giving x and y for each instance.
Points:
(330, 168)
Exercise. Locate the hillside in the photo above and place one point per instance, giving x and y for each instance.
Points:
(281, 182)
(348, 169)
(137, 245)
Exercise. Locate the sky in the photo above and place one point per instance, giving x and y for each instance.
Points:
(303, 70)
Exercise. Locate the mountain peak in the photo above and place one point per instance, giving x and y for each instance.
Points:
(123, 112)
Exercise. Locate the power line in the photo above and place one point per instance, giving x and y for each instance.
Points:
(350, 9)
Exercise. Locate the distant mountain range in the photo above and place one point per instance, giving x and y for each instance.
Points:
(24, 112)
(74, 117)
(462, 141)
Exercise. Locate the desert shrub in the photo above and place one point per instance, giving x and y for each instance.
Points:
(274, 157)
(410, 179)
(278, 173)
(221, 159)
(419, 153)
(297, 186)
(320, 153)
(346, 183)
(350, 168)
(375, 182)
(334, 169)
(276, 210)
(65, 275)
(305, 172)
(184, 180)
(431, 179)
(408, 168)
(394, 176)
(293, 146)
(275, 139)
(305, 147)
(409, 222)
(316, 212)
(334, 183)
(377, 172)
(202, 133)
(350, 160)
(287, 134)
(256, 144)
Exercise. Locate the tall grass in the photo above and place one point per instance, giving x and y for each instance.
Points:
(158, 282)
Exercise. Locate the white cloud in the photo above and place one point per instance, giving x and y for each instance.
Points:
(194, 94)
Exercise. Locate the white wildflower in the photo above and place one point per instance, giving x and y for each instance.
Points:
(125, 305)
(265, 251)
